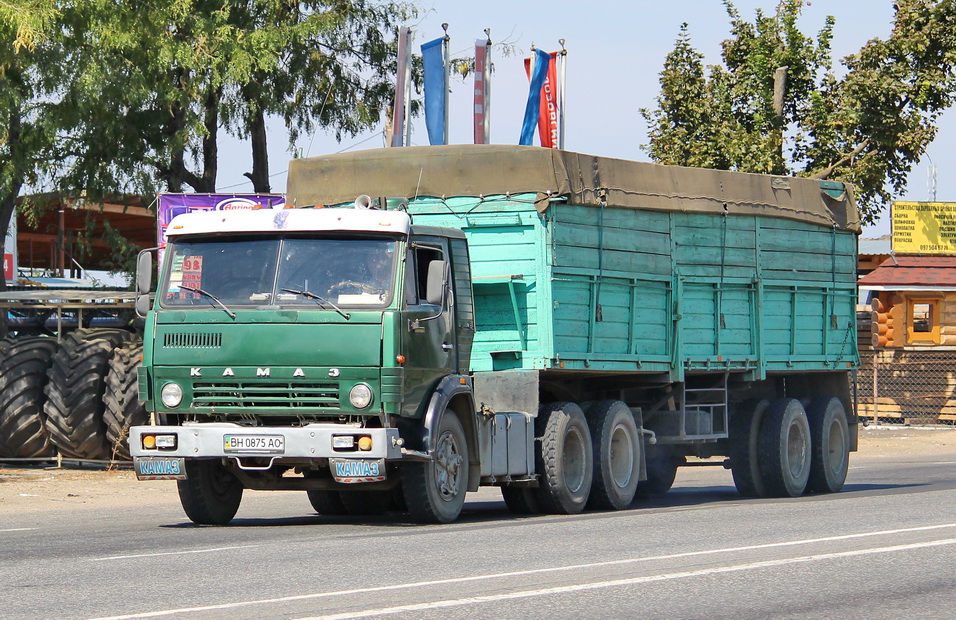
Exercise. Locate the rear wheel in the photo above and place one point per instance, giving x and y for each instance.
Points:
(435, 490)
(784, 454)
(23, 370)
(367, 503)
(616, 447)
(210, 495)
(564, 458)
(830, 438)
(744, 436)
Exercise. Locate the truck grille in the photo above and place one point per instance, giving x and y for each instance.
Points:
(256, 394)
(210, 340)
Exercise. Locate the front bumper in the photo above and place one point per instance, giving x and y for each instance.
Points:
(227, 440)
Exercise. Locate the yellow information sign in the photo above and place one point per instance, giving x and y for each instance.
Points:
(924, 227)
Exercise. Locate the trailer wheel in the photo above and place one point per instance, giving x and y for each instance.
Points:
(563, 458)
(23, 369)
(521, 500)
(830, 438)
(435, 490)
(326, 502)
(123, 408)
(744, 436)
(616, 448)
(74, 404)
(210, 495)
(784, 454)
(662, 466)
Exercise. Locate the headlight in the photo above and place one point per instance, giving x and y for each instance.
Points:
(171, 395)
(360, 396)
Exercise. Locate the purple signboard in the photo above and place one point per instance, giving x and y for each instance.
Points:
(171, 205)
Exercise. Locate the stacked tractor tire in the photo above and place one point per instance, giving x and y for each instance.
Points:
(76, 398)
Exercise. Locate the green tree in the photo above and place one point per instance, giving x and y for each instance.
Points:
(173, 77)
(25, 130)
(777, 105)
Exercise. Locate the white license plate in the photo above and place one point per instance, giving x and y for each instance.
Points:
(350, 471)
(253, 444)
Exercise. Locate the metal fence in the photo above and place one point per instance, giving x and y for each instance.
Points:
(907, 386)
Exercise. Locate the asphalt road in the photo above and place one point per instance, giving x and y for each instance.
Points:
(883, 548)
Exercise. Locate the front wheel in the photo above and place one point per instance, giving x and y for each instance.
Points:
(435, 490)
(210, 494)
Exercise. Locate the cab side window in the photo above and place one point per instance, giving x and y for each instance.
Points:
(417, 272)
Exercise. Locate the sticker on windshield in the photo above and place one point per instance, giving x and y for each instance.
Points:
(186, 270)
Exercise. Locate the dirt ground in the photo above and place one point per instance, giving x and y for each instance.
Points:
(44, 488)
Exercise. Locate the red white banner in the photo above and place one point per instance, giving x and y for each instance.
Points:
(548, 112)
(7, 266)
(482, 92)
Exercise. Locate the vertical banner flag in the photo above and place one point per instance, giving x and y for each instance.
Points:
(10, 250)
(482, 91)
(402, 85)
(433, 62)
(531, 111)
(548, 109)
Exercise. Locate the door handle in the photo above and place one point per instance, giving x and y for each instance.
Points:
(447, 347)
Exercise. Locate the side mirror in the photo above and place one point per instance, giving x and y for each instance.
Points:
(142, 305)
(435, 284)
(144, 272)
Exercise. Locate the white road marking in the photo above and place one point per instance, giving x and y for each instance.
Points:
(164, 553)
(419, 584)
(474, 600)
(20, 529)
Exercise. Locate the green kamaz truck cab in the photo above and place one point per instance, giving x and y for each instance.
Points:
(566, 327)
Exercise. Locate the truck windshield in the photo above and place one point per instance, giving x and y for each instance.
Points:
(287, 271)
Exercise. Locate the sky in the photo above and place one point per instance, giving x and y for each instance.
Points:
(616, 50)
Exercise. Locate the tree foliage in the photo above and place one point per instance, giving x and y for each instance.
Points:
(103, 97)
(777, 105)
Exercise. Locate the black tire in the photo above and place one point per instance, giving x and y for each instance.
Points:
(210, 494)
(744, 439)
(435, 490)
(521, 500)
(830, 438)
(122, 407)
(616, 449)
(784, 454)
(327, 502)
(74, 391)
(662, 464)
(23, 375)
(367, 503)
(563, 457)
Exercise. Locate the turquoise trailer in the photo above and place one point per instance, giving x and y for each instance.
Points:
(572, 328)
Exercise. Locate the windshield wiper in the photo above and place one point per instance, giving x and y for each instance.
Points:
(319, 300)
(194, 289)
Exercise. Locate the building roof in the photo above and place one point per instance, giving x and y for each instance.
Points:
(38, 243)
(908, 273)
